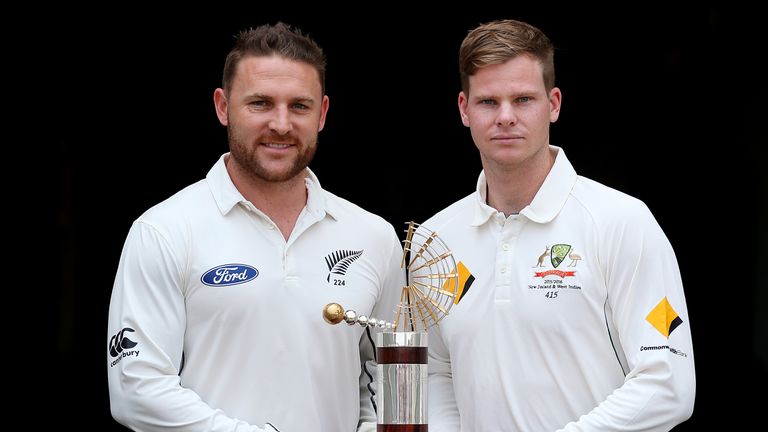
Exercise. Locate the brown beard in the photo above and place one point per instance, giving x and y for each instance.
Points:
(245, 153)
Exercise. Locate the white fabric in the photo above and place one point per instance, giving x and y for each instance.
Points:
(531, 347)
(253, 352)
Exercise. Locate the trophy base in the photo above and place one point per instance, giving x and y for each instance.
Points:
(401, 428)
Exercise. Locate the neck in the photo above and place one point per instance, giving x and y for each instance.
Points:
(282, 201)
(512, 188)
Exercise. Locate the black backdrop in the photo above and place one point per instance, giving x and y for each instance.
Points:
(664, 104)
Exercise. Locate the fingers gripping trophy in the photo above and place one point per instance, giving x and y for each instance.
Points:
(401, 351)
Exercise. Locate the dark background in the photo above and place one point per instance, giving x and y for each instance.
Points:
(666, 104)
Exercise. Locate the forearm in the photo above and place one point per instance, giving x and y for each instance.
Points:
(443, 410)
(645, 403)
(159, 405)
(443, 413)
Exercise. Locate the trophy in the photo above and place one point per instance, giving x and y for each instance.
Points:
(401, 352)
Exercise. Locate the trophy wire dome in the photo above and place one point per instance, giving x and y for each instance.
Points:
(433, 280)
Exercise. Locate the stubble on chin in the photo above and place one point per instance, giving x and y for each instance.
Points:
(246, 156)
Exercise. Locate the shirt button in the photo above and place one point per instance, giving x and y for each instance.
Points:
(505, 246)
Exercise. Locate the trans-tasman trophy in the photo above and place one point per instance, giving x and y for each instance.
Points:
(401, 352)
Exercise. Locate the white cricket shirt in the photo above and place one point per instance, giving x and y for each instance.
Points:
(207, 275)
(572, 316)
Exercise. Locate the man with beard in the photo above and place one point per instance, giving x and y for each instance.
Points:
(215, 319)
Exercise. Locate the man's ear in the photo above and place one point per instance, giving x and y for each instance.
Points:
(220, 103)
(555, 102)
(463, 101)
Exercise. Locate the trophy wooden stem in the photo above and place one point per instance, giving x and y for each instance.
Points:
(390, 355)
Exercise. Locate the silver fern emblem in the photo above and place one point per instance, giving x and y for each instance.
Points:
(338, 262)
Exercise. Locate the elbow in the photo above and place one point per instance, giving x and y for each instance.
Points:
(119, 411)
(681, 400)
(131, 411)
(686, 399)
(121, 406)
(672, 400)
(124, 404)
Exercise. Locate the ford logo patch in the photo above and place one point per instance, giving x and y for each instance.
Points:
(229, 274)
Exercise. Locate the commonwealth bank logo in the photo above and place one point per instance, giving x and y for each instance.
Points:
(664, 318)
(465, 282)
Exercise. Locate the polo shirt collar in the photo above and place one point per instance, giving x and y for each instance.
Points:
(547, 203)
(227, 196)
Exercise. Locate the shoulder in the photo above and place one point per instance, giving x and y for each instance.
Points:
(605, 200)
(606, 203)
(355, 216)
(194, 201)
(461, 210)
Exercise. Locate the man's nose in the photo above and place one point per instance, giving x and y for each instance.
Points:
(281, 121)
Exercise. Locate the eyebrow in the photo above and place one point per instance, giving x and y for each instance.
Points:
(302, 99)
(305, 100)
(514, 95)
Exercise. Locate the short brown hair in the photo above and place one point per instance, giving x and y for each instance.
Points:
(499, 41)
(267, 40)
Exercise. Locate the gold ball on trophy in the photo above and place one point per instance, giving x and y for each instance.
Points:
(333, 313)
